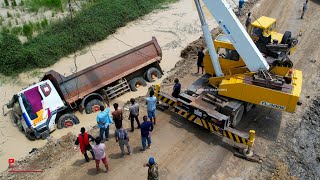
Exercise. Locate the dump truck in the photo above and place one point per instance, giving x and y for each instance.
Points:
(41, 107)
(237, 77)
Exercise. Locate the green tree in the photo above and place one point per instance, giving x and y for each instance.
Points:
(27, 30)
(6, 2)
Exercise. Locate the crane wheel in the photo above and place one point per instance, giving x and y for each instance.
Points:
(248, 107)
(236, 118)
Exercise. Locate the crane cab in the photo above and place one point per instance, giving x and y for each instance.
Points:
(229, 58)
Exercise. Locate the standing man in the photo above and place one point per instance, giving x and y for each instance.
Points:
(200, 59)
(241, 3)
(99, 150)
(304, 9)
(122, 137)
(248, 21)
(83, 141)
(134, 113)
(117, 115)
(146, 129)
(153, 173)
(151, 106)
(176, 88)
(104, 120)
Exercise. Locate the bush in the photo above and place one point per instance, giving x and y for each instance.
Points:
(12, 55)
(35, 5)
(27, 30)
(90, 25)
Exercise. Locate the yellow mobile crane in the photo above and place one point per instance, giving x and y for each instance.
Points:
(231, 85)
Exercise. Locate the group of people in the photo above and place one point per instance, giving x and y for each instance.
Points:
(104, 120)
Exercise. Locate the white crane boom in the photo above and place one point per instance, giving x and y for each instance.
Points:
(231, 26)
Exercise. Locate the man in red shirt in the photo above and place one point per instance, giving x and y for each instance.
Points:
(83, 141)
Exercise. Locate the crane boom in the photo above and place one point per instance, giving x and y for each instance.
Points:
(208, 39)
(231, 26)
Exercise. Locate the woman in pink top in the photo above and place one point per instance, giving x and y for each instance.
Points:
(100, 154)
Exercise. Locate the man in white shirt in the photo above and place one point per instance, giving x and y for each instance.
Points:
(100, 154)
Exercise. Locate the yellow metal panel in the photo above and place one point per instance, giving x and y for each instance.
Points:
(237, 138)
(277, 36)
(204, 124)
(234, 87)
(198, 121)
(185, 115)
(230, 136)
(211, 128)
(263, 22)
(191, 117)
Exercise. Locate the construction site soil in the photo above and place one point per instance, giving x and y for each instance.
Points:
(288, 143)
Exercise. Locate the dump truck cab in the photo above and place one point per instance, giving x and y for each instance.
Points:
(38, 106)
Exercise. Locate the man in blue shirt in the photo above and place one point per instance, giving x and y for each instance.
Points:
(104, 120)
(241, 3)
(176, 88)
(146, 127)
(151, 106)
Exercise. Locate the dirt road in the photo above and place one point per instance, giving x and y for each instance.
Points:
(185, 151)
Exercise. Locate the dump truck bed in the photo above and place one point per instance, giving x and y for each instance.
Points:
(88, 80)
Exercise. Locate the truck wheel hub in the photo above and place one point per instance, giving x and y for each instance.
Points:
(68, 123)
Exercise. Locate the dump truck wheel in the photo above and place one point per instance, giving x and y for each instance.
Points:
(31, 137)
(152, 74)
(91, 103)
(286, 37)
(67, 120)
(136, 83)
(237, 116)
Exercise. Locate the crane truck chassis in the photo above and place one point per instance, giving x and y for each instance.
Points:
(40, 108)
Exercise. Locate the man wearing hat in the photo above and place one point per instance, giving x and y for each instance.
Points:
(153, 173)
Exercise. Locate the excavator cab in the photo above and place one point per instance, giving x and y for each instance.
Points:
(265, 27)
(263, 33)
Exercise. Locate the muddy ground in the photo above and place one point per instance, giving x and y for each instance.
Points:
(288, 143)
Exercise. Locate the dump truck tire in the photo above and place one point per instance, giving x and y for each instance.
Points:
(67, 120)
(135, 82)
(151, 73)
(237, 116)
(286, 37)
(91, 103)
